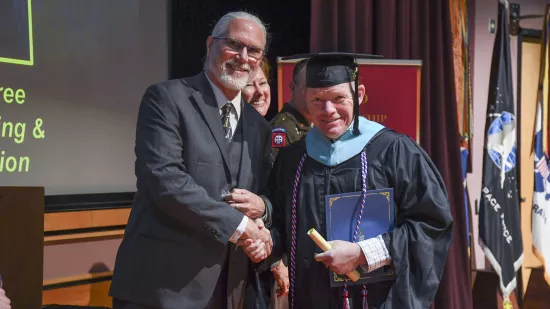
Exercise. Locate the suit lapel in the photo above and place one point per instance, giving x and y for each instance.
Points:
(206, 101)
(249, 138)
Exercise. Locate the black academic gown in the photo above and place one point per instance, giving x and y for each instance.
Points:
(418, 245)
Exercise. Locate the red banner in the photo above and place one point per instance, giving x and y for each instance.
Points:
(392, 88)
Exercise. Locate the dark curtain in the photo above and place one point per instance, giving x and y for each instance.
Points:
(408, 29)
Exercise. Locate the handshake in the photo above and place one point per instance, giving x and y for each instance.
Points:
(256, 241)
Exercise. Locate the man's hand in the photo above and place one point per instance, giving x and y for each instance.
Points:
(256, 241)
(4, 301)
(343, 257)
(280, 272)
(246, 202)
(255, 250)
(255, 230)
(269, 243)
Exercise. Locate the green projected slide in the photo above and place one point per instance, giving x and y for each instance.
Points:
(17, 21)
(72, 75)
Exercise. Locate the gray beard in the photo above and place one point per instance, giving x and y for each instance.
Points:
(231, 82)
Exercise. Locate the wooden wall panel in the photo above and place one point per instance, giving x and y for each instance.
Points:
(85, 219)
(22, 244)
(537, 295)
(94, 294)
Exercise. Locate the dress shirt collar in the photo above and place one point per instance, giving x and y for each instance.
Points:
(221, 99)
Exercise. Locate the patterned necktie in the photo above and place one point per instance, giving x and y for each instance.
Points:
(226, 110)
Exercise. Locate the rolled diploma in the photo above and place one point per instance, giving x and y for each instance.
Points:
(325, 246)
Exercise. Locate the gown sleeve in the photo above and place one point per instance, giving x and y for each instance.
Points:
(422, 235)
(273, 194)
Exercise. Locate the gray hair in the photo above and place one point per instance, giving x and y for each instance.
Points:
(222, 26)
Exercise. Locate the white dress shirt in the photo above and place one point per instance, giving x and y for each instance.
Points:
(234, 115)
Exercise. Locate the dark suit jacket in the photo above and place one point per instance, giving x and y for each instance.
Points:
(173, 247)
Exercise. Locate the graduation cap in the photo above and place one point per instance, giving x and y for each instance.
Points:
(334, 68)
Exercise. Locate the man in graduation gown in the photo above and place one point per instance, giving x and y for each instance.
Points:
(329, 161)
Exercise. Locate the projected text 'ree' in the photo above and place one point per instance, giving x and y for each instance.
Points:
(13, 132)
(9, 95)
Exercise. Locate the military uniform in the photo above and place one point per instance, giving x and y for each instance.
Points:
(287, 127)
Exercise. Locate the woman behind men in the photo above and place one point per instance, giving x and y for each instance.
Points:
(258, 93)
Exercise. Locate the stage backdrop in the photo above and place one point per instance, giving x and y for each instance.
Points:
(72, 74)
(392, 87)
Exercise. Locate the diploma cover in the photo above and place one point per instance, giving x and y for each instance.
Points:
(342, 211)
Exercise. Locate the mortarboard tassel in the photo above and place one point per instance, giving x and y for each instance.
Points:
(356, 101)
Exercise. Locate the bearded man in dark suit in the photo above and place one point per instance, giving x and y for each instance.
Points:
(202, 154)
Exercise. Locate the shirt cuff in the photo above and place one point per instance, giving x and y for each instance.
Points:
(239, 231)
(375, 252)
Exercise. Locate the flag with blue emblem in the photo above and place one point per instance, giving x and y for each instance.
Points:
(499, 222)
(541, 199)
(540, 227)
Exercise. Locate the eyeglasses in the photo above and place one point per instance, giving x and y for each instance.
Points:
(237, 46)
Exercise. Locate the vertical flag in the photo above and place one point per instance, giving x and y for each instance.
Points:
(540, 227)
(541, 199)
(499, 224)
